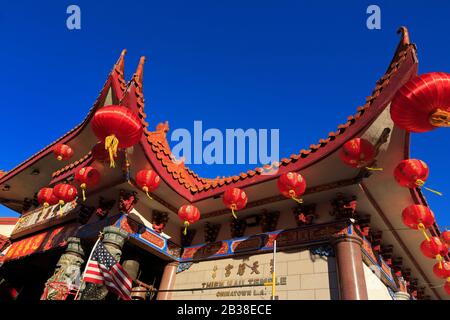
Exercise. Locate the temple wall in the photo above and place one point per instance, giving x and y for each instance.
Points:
(300, 276)
(376, 289)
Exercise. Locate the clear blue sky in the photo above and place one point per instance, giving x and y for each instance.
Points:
(300, 66)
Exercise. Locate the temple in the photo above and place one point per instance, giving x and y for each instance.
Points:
(345, 240)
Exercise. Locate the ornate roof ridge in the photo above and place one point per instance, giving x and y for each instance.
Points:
(117, 71)
(196, 184)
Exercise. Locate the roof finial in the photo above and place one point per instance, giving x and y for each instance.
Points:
(405, 35)
(139, 75)
(120, 64)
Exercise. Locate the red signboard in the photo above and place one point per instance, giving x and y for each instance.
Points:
(40, 242)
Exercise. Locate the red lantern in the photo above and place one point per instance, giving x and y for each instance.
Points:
(447, 287)
(418, 217)
(148, 181)
(434, 248)
(99, 152)
(118, 126)
(423, 103)
(64, 193)
(235, 199)
(412, 173)
(358, 153)
(445, 237)
(442, 269)
(189, 214)
(292, 185)
(62, 152)
(87, 177)
(46, 197)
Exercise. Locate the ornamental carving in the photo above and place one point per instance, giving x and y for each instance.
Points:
(85, 213)
(343, 206)
(104, 206)
(211, 232)
(304, 214)
(269, 221)
(159, 220)
(127, 200)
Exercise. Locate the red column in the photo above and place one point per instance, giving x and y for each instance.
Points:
(349, 261)
(167, 280)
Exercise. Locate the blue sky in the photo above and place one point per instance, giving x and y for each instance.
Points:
(299, 66)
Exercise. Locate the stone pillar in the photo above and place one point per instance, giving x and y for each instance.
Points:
(399, 295)
(352, 283)
(167, 280)
(113, 239)
(67, 270)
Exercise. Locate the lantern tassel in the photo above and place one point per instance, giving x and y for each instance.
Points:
(293, 196)
(439, 258)
(233, 207)
(111, 144)
(420, 183)
(374, 169)
(145, 189)
(83, 190)
(61, 203)
(424, 232)
(186, 225)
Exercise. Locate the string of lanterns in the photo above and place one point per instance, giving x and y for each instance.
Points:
(358, 153)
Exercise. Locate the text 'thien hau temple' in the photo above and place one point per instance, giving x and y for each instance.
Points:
(346, 240)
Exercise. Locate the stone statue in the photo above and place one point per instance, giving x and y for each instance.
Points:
(67, 273)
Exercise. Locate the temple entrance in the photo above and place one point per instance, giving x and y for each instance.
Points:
(25, 278)
(146, 267)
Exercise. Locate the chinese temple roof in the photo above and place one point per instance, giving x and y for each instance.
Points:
(189, 184)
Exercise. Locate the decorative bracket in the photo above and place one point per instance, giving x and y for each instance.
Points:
(304, 214)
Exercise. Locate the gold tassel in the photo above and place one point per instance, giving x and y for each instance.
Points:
(293, 197)
(145, 189)
(83, 190)
(440, 259)
(420, 183)
(59, 158)
(424, 232)
(111, 144)
(233, 207)
(186, 225)
(61, 203)
(374, 169)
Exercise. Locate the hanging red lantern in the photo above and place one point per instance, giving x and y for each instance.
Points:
(99, 152)
(235, 199)
(418, 217)
(46, 197)
(423, 104)
(445, 237)
(358, 153)
(87, 177)
(412, 173)
(442, 270)
(118, 127)
(148, 181)
(189, 214)
(64, 193)
(62, 152)
(292, 185)
(434, 248)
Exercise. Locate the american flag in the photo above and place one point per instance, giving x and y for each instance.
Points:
(104, 269)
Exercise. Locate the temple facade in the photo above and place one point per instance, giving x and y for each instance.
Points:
(344, 241)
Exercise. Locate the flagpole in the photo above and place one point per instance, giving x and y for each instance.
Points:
(100, 236)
